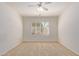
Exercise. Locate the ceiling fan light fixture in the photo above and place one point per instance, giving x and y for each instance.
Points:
(40, 9)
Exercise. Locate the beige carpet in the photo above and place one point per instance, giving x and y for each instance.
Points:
(40, 49)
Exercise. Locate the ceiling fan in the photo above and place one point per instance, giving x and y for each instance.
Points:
(40, 6)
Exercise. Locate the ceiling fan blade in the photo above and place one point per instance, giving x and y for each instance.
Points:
(45, 8)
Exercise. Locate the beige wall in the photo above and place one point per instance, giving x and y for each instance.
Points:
(10, 28)
(53, 26)
(69, 28)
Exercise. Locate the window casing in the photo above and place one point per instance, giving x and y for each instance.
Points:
(40, 28)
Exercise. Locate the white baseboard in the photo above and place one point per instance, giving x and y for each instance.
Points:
(17, 43)
(70, 49)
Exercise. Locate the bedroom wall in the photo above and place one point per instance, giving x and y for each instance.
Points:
(68, 28)
(10, 28)
(53, 27)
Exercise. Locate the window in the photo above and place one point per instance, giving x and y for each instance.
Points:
(40, 28)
